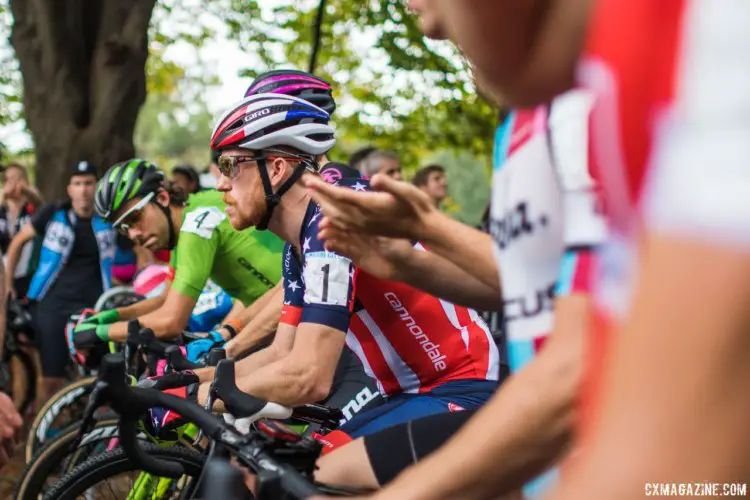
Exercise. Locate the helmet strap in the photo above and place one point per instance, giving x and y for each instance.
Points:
(168, 214)
(273, 199)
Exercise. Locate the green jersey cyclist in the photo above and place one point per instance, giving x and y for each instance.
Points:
(134, 196)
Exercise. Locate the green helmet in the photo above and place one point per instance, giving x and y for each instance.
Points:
(125, 181)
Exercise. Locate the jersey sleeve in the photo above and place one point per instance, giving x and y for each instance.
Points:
(293, 288)
(329, 280)
(194, 256)
(583, 215)
(584, 223)
(576, 272)
(41, 217)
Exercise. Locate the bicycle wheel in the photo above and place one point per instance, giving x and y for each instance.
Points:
(18, 379)
(118, 296)
(56, 458)
(113, 475)
(64, 408)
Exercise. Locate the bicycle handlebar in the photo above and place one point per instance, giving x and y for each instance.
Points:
(132, 402)
(177, 361)
(215, 355)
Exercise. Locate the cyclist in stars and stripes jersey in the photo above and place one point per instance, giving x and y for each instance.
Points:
(429, 356)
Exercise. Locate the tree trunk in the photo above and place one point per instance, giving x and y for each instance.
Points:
(83, 67)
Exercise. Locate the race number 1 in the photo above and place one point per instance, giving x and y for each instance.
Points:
(327, 279)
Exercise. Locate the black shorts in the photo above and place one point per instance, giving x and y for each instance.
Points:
(50, 317)
(394, 449)
(353, 391)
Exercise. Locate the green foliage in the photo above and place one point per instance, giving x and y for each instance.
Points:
(175, 122)
(11, 105)
(468, 185)
(396, 89)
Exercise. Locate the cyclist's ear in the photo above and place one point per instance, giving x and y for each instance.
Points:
(163, 198)
(279, 170)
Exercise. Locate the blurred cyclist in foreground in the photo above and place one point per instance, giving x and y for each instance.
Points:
(643, 414)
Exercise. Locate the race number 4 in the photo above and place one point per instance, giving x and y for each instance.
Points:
(327, 279)
(203, 221)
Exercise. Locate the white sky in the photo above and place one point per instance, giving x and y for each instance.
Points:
(221, 55)
(224, 58)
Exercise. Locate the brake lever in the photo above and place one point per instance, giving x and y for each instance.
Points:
(224, 387)
(215, 355)
(176, 361)
(213, 358)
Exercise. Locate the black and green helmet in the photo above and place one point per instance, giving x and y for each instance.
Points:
(124, 181)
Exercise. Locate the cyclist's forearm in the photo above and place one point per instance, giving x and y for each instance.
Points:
(246, 367)
(205, 374)
(238, 308)
(243, 368)
(271, 296)
(141, 308)
(467, 248)
(441, 278)
(654, 407)
(262, 325)
(163, 325)
(288, 384)
(285, 382)
(521, 431)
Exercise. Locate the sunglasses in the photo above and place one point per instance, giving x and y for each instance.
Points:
(133, 216)
(229, 166)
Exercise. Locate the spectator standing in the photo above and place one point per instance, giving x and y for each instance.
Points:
(210, 176)
(357, 159)
(431, 179)
(185, 178)
(19, 202)
(386, 162)
(75, 267)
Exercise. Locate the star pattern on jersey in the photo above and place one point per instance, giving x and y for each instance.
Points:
(359, 186)
(306, 245)
(287, 302)
(315, 217)
(294, 286)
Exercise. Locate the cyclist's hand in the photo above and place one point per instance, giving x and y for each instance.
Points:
(88, 335)
(380, 256)
(10, 428)
(104, 318)
(396, 209)
(198, 349)
(11, 291)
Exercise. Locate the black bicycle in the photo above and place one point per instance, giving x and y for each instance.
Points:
(282, 460)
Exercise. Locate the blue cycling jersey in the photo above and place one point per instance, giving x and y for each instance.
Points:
(212, 306)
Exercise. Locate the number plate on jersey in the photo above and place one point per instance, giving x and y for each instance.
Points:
(327, 278)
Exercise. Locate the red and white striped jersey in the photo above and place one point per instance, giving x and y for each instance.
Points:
(406, 339)
(670, 133)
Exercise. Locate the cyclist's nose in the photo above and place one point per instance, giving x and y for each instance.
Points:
(135, 234)
(223, 184)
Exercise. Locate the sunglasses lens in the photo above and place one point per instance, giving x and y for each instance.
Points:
(226, 164)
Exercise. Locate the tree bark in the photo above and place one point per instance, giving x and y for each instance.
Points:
(83, 64)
